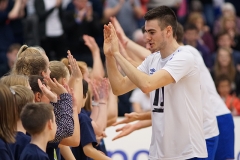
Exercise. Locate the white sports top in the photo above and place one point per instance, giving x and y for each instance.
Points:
(210, 126)
(177, 114)
(220, 107)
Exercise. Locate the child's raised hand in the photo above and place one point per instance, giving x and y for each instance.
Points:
(75, 70)
(104, 90)
(55, 86)
(51, 96)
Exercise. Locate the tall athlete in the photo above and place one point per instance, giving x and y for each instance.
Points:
(212, 105)
(173, 80)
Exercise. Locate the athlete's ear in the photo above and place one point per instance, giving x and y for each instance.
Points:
(169, 31)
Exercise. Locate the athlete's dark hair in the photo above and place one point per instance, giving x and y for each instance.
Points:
(165, 16)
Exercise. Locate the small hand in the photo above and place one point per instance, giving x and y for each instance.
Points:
(104, 90)
(75, 70)
(125, 130)
(55, 86)
(51, 96)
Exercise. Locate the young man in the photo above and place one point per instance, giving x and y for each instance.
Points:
(172, 77)
(39, 121)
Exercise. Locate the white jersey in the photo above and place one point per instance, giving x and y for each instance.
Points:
(177, 120)
(220, 107)
(210, 126)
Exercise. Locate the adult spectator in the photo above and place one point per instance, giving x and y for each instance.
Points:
(9, 11)
(51, 31)
(227, 10)
(198, 20)
(127, 13)
(173, 4)
(224, 65)
(224, 40)
(11, 58)
(79, 19)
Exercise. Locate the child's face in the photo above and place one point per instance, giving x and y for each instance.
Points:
(225, 41)
(224, 58)
(224, 88)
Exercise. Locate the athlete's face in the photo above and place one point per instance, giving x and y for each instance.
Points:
(155, 36)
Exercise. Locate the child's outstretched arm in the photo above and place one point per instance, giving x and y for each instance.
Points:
(91, 152)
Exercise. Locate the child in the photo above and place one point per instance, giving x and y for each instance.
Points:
(223, 85)
(23, 96)
(87, 149)
(8, 122)
(39, 121)
(12, 80)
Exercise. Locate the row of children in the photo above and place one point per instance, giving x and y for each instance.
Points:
(50, 105)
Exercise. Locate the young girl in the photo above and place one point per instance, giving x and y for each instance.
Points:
(8, 122)
(23, 96)
(12, 80)
(89, 127)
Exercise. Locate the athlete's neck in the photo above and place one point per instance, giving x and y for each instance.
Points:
(169, 49)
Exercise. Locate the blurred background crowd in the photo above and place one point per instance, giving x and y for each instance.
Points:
(211, 26)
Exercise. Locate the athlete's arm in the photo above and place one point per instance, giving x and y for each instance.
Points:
(119, 84)
(143, 81)
(129, 128)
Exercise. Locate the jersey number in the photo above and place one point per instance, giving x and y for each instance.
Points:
(156, 101)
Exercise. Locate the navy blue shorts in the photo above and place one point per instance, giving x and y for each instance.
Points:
(225, 149)
(212, 144)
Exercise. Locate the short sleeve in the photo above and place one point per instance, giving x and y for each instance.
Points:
(143, 67)
(87, 132)
(180, 65)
